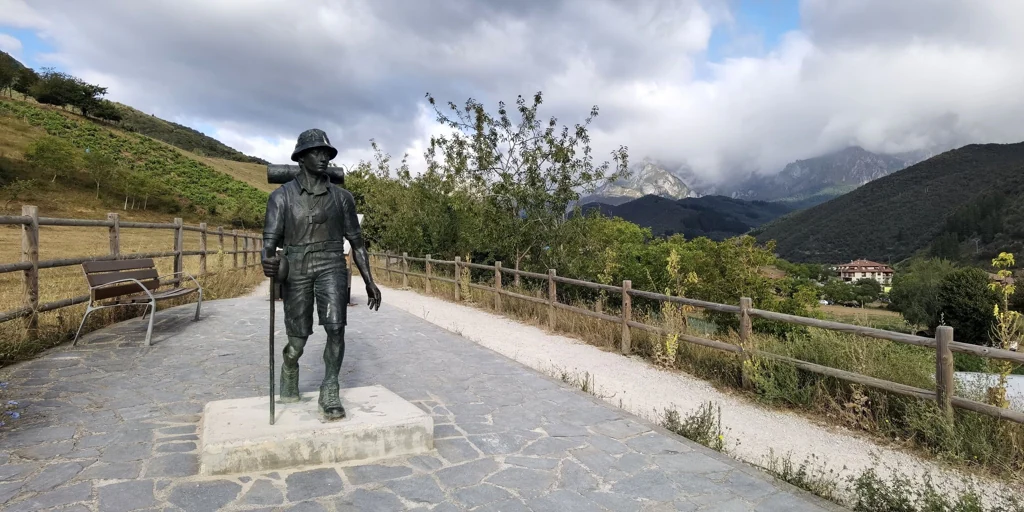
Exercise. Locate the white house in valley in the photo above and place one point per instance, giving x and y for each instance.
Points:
(865, 269)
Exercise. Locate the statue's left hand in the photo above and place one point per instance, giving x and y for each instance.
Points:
(373, 293)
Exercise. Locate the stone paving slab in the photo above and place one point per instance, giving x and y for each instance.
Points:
(111, 425)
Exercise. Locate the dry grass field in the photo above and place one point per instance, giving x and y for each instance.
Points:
(223, 279)
(843, 311)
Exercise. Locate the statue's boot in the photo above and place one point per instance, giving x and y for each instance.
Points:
(290, 372)
(289, 384)
(330, 401)
(334, 353)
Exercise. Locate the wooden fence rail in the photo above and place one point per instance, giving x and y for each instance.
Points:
(30, 221)
(942, 343)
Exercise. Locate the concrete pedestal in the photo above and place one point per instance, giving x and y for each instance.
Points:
(236, 435)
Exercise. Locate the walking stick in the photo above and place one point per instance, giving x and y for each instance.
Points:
(273, 299)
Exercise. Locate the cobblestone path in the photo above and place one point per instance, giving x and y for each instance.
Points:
(110, 425)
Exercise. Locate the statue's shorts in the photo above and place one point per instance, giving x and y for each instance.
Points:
(320, 274)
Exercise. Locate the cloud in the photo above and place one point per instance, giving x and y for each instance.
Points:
(18, 14)
(10, 44)
(889, 76)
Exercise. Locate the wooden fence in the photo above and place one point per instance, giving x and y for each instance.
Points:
(942, 343)
(30, 221)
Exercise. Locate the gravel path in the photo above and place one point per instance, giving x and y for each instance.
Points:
(753, 432)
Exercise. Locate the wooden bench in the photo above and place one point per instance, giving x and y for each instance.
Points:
(128, 283)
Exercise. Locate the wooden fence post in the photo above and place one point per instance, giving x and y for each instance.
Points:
(115, 235)
(245, 250)
(746, 333)
(627, 316)
(30, 254)
(405, 270)
(179, 242)
(497, 286)
(944, 383)
(220, 248)
(457, 275)
(234, 250)
(428, 274)
(552, 298)
(202, 248)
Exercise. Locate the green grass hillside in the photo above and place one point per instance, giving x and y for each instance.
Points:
(180, 136)
(966, 204)
(149, 175)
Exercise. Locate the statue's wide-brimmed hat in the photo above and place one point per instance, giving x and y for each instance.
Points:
(312, 138)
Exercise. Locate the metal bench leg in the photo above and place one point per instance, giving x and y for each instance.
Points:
(199, 305)
(88, 309)
(149, 330)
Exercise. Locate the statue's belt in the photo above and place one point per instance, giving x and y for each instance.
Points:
(307, 249)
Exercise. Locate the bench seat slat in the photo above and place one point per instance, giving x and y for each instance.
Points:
(110, 277)
(169, 294)
(119, 290)
(117, 265)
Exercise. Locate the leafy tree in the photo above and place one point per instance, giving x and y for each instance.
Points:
(107, 111)
(1007, 327)
(525, 172)
(604, 250)
(61, 89)
(966, 303)
(915, 290)
(242, 212)
(24, 80)
(54, 88)
(8, 74)
(866, 290)
(16, 190)
(102, 168)
(426, 214)
(87, 97)
(838, 291)
(1016, 301)
(723, 272)
(811, 271)
(136, 185)
(946, 246)
(54, 155)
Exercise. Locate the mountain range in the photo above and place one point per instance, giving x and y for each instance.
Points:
(805, 183)
(800, 184)
(714, 217)
(646, 179)
(966, 204)
(677, 201)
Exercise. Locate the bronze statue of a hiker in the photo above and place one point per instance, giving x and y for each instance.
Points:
(309, 219)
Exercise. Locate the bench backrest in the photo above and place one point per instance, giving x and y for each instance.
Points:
(101, 273)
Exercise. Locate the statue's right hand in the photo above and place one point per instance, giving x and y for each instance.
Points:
(271, 265)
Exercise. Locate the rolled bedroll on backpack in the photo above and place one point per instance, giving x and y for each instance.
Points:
(278, 174)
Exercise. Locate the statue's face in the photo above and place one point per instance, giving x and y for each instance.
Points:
(315, 160)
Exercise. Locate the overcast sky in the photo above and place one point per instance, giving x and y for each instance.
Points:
(724, 85)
